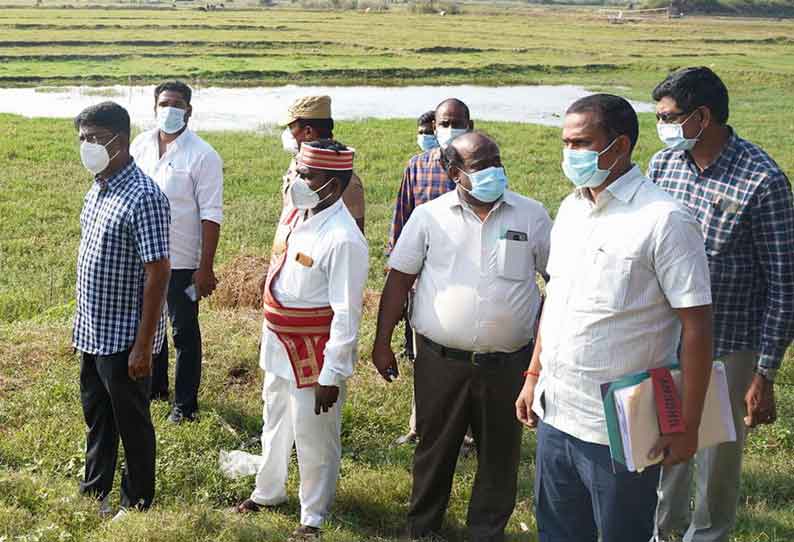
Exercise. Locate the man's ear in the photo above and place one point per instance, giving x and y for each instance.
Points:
(471, 125)
(624, 145)
(706, 119)
(453, 172)
(188, 112)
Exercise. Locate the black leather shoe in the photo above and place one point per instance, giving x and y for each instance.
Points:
(177, 416)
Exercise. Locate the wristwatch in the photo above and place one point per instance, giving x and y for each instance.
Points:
(768, 374)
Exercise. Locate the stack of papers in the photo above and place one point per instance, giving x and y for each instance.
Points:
(633, 423)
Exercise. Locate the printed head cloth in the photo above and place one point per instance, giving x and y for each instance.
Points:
(328, 159)
(308, 107)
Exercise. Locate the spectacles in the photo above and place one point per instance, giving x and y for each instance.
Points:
(100, 139)
(668, 118)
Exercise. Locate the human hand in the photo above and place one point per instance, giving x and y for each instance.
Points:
(139, 361)
(676, 448)
(324, 397)
(524, 411)
(760, 402)
(384, 361)
(205, 281)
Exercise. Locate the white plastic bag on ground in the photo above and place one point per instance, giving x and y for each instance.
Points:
(236, 464)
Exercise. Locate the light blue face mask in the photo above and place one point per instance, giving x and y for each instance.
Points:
(672, 135)
(426, 141)
(445, 135)
(170, 119)
(487, 185)
(581, 167)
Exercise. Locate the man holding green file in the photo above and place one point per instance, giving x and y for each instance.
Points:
(629, 283)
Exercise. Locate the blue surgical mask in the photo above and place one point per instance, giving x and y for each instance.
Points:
(487, 185)
(445, 134)
(672, 135)
(426, 141)
(170, 119)
(581, 167)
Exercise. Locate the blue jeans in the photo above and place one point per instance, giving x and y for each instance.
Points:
(578, 496)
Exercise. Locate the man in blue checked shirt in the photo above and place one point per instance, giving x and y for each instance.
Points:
(743, 202)
(122, 275)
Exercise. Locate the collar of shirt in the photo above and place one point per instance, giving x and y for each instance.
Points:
(115, 180)
(180, 141)
(720, 164)
(316, 221)
(508, 198)
(622, 189)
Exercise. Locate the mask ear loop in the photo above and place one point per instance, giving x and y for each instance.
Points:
(323, 186)
(108, 143)
(697, 137)
(606, 149)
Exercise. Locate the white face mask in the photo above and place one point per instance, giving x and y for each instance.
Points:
(672, 135)
(445, 134)
(303, 197)
(289, 142)
(170, 119)
(95, 157)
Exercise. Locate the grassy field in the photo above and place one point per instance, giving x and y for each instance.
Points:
(510, 45)
(42, 185)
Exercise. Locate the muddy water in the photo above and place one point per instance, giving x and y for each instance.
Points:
(246, 109)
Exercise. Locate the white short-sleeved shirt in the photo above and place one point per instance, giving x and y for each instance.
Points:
(618, 267)
(190, 173)
(477, 288)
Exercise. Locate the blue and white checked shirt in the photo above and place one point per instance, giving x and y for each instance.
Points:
(124, 224)
(743, 202)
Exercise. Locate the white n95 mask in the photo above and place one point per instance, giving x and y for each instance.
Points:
(288, 141)
(95, 157)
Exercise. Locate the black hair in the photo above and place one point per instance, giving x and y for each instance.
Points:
(108, 115)
(456, 102)
(426, 118)
(323, 127)
(615, 115)
(695, 87)
(344, 176)
(175, 86)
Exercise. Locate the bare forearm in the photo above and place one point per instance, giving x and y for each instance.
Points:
(210, 233)
(392, 303)
(696, 363)
(155, 285)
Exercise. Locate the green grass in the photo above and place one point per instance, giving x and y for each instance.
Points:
(42, 185)
(515, 45)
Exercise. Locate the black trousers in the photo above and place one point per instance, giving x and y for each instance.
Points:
(183, 313)
(115, 405)
(452, 395)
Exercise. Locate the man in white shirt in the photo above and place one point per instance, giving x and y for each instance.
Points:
(313, 297)
(629, 281)
(190, 173)
(475, 253)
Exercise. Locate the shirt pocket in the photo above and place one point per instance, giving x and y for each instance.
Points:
(178, 184)
(513, 259)
(721, 225)
(605, 281)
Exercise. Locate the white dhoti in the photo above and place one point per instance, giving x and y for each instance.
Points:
(289, 419)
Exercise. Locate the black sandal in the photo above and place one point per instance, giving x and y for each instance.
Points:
(248, 507)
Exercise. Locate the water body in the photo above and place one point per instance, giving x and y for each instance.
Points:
(218, 109)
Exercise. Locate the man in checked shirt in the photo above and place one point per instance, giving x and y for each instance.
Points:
(743, 202)
(122, 275)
